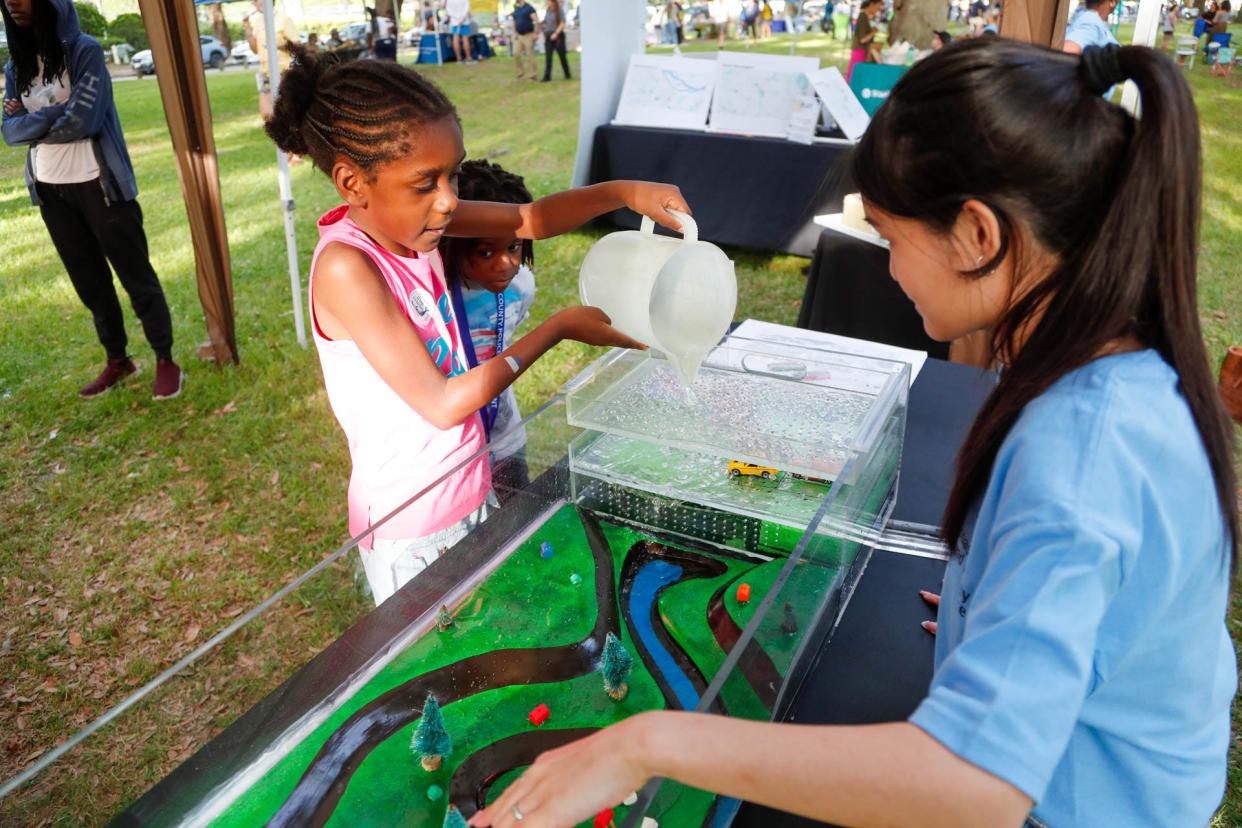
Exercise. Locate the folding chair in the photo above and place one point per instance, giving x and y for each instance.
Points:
(1186, 50)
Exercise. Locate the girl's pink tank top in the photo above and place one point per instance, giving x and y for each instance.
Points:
(395, 452)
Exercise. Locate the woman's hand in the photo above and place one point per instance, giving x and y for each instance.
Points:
(13, 106)
(573, 783)
(655, 200)
(933, 599)
(593, 327)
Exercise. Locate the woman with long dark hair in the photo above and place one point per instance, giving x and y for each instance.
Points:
(1083, 671)
(58, 102)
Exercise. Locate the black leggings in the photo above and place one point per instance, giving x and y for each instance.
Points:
(557, 44)
(88, 233)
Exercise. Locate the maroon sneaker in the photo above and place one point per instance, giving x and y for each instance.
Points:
(168, 379)
(114, 372)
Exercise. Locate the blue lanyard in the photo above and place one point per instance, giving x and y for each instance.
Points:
(489, 411)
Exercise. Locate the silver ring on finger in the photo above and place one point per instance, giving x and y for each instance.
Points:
(517, 813)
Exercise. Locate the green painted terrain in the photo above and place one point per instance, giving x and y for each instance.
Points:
(390, 787)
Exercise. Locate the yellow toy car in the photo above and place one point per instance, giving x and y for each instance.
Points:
(737, 468)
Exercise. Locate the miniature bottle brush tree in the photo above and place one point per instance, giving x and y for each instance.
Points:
(431, 740)
(616, 666)
(454, 819)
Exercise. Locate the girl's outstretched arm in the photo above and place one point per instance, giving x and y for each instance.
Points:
(887, 774)
(352, 301)
(565, 211)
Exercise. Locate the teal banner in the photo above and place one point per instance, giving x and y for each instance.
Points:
(871, 83)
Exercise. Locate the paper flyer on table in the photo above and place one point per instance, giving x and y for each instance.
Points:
(818, 341)
(840, 102)
(667, 91)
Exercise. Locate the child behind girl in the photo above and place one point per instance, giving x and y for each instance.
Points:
(394, 364)
(492, 289)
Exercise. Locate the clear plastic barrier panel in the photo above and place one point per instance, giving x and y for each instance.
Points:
(636, 510)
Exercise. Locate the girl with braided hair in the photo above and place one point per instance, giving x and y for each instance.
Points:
(392, 354)
(1082, 670)
(493, 288)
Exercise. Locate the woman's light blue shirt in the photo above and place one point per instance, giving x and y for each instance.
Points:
(1082, 654)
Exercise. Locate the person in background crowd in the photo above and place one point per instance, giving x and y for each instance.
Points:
(993, 25)
(334, 39)
(940, 40)
(765, 19)
(750, 20)
(524, 39)
(255, 26)
(863, 47)
(459, 27)
(1208, 15)
(312, 41)
(720, 16)
(1224, 16)
(554, 39)
(385, 46)
(1168, 22)
(1090, 26)
(58, 102)
(671, 27)
(1218, 35)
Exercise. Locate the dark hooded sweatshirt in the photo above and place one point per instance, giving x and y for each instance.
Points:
(89, 112)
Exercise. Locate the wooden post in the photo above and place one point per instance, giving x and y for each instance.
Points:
(172, 28)
(1036, 21)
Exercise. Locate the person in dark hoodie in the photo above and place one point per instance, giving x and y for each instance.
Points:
(58, 101)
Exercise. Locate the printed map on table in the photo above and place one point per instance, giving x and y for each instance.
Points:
(758, 94)
(667, 91)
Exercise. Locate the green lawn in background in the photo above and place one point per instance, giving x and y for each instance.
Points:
(132, 531)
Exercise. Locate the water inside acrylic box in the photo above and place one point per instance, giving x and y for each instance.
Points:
(766, 430)
(652, 546)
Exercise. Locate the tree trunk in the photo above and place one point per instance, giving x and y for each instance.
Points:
(218, 27)
(915, 20)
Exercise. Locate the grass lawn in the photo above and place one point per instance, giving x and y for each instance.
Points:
(133, 531)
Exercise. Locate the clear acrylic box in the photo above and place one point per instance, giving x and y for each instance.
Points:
(647, 537)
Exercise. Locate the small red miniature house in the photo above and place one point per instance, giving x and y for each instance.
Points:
(743, 593)
(539, 715)
(603, 819)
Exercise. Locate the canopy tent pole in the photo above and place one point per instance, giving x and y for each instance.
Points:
(172, 28)
(1036, 21)
(286, 185)
(435, 25)
(612, 30)
(1146, 24)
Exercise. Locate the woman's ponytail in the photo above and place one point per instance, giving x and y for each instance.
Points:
(1156, 221)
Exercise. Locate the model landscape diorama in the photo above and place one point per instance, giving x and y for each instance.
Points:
(636, 569)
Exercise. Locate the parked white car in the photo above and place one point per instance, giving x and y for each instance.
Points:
(214, 55)
(243, 55)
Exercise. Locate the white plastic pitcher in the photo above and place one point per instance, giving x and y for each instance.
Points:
(675, 295)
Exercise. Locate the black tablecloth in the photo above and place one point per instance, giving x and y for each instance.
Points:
(877, 665)
(849, 292)
(758, 193)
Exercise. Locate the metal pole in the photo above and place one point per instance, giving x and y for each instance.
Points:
(435, 24)
(792, 27)
(1146, 25)
(286, 185)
